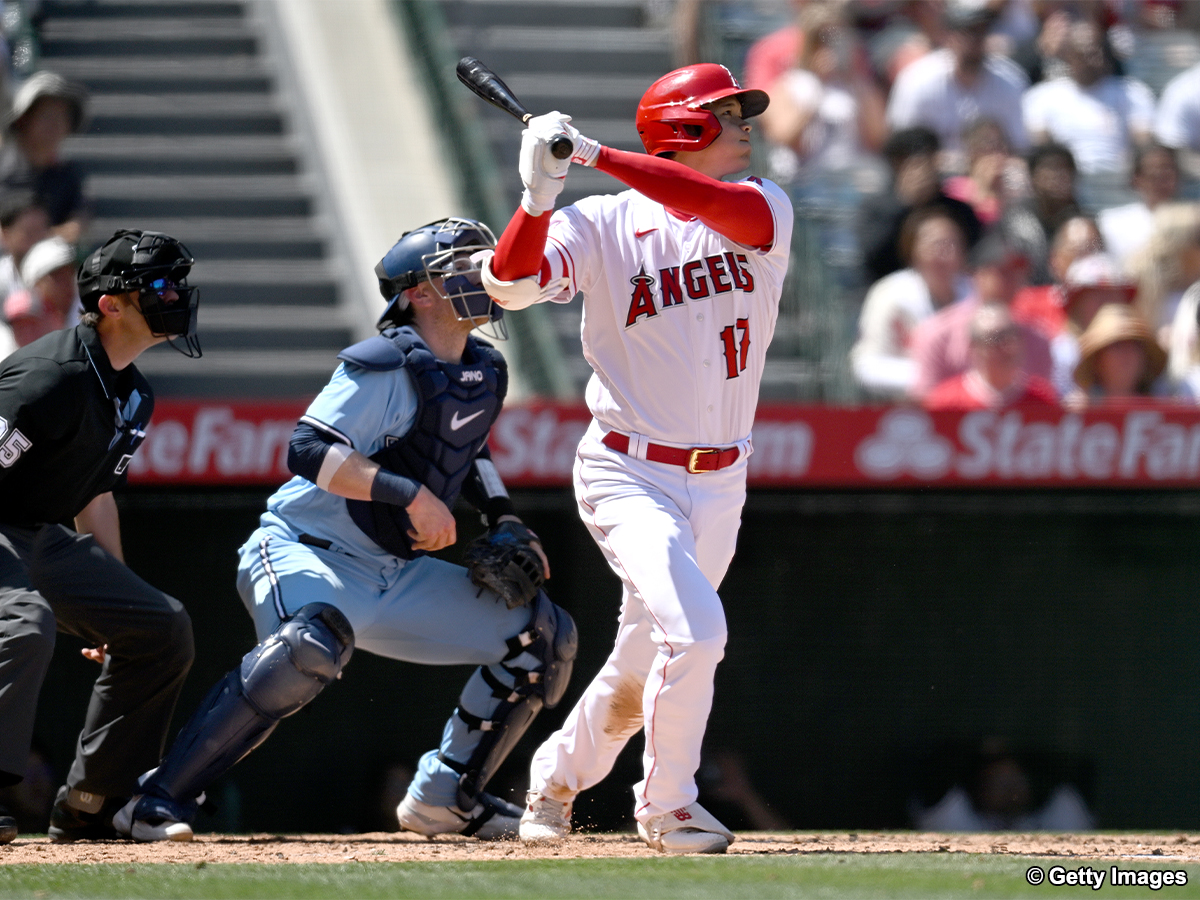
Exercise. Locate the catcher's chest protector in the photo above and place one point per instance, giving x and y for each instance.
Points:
(457, 405)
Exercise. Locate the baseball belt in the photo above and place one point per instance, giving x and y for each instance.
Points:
(694, 459)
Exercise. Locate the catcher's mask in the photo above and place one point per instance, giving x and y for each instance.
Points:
(154, 265)
(449, 249)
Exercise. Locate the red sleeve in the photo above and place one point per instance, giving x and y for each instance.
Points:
(738, 211)
(521, 250)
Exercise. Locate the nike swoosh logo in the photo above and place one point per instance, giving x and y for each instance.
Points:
(457, 423)
(305, 636)
(642, 234)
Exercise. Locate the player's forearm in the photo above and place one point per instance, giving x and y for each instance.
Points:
(360, 478)
(101, 520)
(521, 250)
(738, 211)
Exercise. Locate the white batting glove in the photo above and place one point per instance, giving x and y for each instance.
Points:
(584, 150)
(541, 173)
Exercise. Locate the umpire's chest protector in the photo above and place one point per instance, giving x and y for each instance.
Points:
(456, 406)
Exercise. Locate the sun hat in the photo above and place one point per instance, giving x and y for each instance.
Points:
(1113, 323)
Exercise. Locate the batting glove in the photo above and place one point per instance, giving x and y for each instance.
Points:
(542, 174)
(584, 150)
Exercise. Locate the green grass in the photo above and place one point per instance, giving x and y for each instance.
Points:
(834, 875)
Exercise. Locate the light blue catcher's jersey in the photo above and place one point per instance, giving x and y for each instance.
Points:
(369, 410)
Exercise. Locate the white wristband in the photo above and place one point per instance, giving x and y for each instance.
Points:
(586, 151)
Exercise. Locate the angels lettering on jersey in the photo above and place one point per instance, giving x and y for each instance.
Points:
(697, 279)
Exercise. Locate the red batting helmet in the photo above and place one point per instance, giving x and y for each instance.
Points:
(671, 115)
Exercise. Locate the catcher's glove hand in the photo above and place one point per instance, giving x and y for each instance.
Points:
(504, 562)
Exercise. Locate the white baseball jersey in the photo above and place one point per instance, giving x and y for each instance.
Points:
(676, 317)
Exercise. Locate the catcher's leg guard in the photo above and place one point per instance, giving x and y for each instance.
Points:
(275, 679)
(550, 638)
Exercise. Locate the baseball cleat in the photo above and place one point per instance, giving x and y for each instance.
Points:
(690, 829)
(69, 824)
(149, 819)
(492, 819)
(544, 819)
(8, 826)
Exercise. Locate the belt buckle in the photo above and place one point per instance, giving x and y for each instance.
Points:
(694, 458)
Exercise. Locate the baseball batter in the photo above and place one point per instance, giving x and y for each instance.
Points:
(681, 277)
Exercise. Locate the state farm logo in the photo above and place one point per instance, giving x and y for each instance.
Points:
(904, 444)
(214, 443)
(1141, 444)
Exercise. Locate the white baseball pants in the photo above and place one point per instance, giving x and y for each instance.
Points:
(669, 536)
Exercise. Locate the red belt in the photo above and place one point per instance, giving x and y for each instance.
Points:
(694, 459)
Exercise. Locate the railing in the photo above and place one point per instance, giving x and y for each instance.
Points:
(534, 350)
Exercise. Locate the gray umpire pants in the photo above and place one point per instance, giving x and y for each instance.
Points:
(54, 579)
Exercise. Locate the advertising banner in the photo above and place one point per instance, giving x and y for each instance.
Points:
(533, 445)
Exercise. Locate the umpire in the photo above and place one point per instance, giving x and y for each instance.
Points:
(73, 408)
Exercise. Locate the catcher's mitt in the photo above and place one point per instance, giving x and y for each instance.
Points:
(504, 562)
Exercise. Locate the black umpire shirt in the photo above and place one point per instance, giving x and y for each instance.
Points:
(69, 424)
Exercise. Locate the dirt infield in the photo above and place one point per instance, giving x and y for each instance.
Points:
(384, 847)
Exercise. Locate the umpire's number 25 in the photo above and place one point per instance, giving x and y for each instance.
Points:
(13, 444)
(735, 344)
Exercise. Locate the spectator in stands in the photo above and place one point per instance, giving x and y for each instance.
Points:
(1032, 222)
(1183, 354)
(1091, 283)
(1000, 793)
(1043, 306)
(1040, 55)
(1167, 265)
(1177, 123)
(824, 115)
(912, 156)
(994, 378)
(45, 111)
(1119, 359)
(1099, 116)
(1127, 228)
(897, 34)
(950, 88)
(773, 54)
(941, 344)
(50, 301)
(989, 182)
(934, 246)
(23, 222)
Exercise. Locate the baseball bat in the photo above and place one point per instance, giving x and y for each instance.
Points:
(485, 83)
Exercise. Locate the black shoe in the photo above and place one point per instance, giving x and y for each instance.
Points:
(69, 824)
(8, 826)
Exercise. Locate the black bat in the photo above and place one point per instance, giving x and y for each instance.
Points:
(485, 83)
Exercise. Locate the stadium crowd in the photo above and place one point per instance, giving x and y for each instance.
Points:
(1026, 229)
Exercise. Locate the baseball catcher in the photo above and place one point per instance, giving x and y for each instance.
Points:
(339, 562)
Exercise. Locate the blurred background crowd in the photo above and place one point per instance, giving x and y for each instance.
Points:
(1002, 193)
(996, 199)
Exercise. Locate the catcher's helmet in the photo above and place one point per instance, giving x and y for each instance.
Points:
(450, 249)
(671, 115)
(153, 264)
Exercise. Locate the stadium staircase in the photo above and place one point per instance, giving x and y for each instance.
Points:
(192, 131)
(592, 59)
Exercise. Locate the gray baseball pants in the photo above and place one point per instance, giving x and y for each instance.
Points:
(52, 579)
